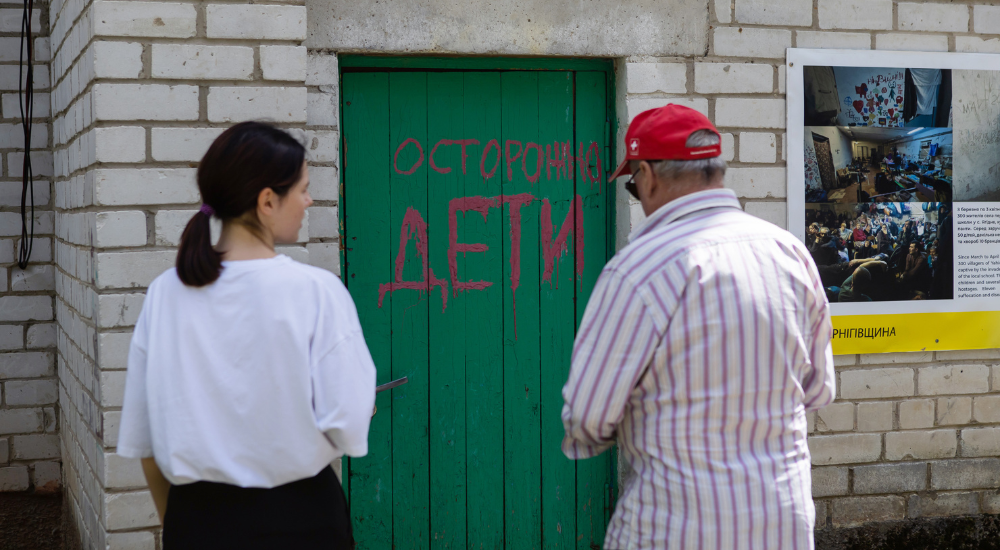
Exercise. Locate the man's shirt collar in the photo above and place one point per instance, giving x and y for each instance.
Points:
(688, 204)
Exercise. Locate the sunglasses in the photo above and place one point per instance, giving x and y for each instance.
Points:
(631, 188)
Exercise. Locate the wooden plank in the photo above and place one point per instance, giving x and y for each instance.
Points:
(408, 203)
(484, 317)
(445, 121)
(522, 433)
(556, 308)
(367, 161)
(475, 63)
(594, 475)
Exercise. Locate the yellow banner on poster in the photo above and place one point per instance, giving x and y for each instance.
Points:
(938, 331)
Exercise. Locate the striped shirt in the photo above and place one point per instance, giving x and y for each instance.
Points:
(703, 345)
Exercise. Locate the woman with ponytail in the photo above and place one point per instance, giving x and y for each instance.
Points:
(248, 373)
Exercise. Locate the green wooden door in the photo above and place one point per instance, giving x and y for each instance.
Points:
(476, 218)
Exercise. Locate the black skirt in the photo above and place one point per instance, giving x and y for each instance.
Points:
(305, 514)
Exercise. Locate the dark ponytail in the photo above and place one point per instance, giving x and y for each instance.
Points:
(243, 161)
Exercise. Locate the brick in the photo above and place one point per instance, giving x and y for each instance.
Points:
(131, 186)
(890, 478)
(811, 421)
(322, 69)
(278, 104)
(975, 44)
(10, 195)
(135, 540)
(47, 477)
(733, 78)
(845, 448)
(182, 144)
(14, 478)
(916, 413)
(955, 504)
(145, 102)
(283, 63)
(954, 410)
(836, 417)
(11, 337)
(758, 147)
(986, 19)
(855, 14)
(932, 17)
(6, 251)
(41, 166)
(876, 383)
(122, 473)
(130, 511)
(110, 421)
(853, 511)
(31, 364)
(911, 42)
(31, 392)
(321, 109)
(112, 349)
(638, 105)
(325, 255)
(986, 408)
(981, 442)
(757, 183)
(978, 473)
(42, 335)
(117, 229)
(920, 445)
(117, 59)
(822, 513)
(10, 75)
(10, 20)
(645, 78)
(131, 269)
(12, 136)
(256, 22)
(170, 225)
(875, 417)
(953, 379)
(968, 355)
(25, 308)
(183, 61)
(833, 40)
(728, 147)
(118, 310)
(797, 13)
(298, 253)
(991, 503)
(112, 388)
(120, 144)
(323, 222)
(845, 360)
(828, 482)
(146, 19)
(35, 447)
(750, 113)
(896, 358)
(19, 421)
(4, 450)
(751, 42)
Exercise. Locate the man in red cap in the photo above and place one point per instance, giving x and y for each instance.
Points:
(703, 345)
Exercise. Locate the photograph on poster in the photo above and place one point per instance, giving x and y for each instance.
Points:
(847, 164)
(882, 251)
(977, 135)
(883, 97)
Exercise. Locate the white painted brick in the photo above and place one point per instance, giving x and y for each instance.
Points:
(130, 511)
(954, 410)
(112, 349)
(323, 145)
(932, 17)
(118, 310)
(986, 19)
(12, 136)
(981, 442)
(117, 229)
(283, 63)
(953, 379)
(202, 62)
(967, 355)
(112, 388)
(325, 255)
(145, 102)
(278, 104)
(771, 211)
(170, 224)
(35, 447)
(975, 44)
(733, 78)
(6, 251)
(322, 69)
(122, 473)
(14, 478)
(986, 408)
(324, 183)
(10, 75)
(750, 113)
(875, 417)
(256, 22)
(758, 147)
(43, 49)
(12, 105)
(775, 12)
(10, 224)
(876, 383)
(644, 78)
(131, 269)
(46, 476)
(920, 445)
(637, 105)
(146, 19)
(120, 144)
(855, 14)
(323, 222)
(11, 337)
(127, 186)
(117, 59)
(14, 421)
(835, 417)
(136, 540)
(912, 42)
(25, 308)
(322, 109)
(10, 20)
(110, 421)
(781, 79)
(751, 42)
(784, 146)
(34, 278)
(728, 147)
(30, 392)
(10, 195)
(183, 144)
(757, 183)
(32, 364)
(896, 358)
(42, 335)
(829, 482)
(41, 165)
(845, 448)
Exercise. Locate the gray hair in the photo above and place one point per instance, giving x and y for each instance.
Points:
(708, 168)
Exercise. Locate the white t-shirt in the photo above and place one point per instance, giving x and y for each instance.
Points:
(237, 381)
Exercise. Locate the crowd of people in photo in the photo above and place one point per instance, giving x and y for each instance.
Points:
(883, 251)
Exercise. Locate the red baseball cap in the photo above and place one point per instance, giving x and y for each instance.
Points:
(662, 134)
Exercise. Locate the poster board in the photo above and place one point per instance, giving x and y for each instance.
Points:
(894, 185)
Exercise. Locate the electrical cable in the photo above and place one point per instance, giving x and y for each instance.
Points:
(26, 101)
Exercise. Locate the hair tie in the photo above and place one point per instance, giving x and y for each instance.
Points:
(207, 210)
